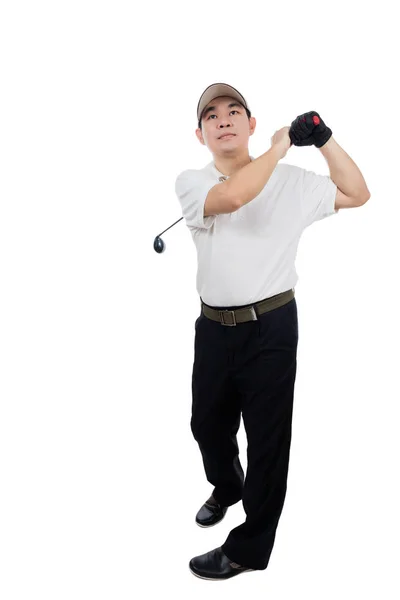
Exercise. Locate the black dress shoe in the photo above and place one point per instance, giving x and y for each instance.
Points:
(215, 565)
(210, 513)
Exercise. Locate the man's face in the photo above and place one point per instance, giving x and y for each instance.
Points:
(222, 116)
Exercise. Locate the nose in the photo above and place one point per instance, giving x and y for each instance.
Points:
(222, 127)
(225, 121)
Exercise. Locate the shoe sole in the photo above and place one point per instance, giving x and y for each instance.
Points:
(218, 578)
(212, 524)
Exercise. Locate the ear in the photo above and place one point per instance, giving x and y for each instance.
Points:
(252, 125)
(200, 136)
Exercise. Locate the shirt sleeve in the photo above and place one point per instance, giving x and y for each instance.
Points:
(192, 187)
(318, 193)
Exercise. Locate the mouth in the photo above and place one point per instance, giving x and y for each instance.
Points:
(227, 136)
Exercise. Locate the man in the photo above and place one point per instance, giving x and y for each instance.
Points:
(246, 217)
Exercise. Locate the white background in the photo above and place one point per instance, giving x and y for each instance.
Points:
(100, 475)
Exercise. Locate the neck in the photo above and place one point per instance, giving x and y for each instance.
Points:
(228, 165)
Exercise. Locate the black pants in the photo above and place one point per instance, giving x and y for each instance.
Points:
(247, 370)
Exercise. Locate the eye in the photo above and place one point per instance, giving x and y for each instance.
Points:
(215, 115)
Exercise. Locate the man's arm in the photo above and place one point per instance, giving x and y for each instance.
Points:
(344, 172)
(246, 183)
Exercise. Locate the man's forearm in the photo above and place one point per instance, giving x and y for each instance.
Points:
(250, 180)
(344, 172)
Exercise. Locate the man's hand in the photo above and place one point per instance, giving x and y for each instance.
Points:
(309, 129)
(281, 140)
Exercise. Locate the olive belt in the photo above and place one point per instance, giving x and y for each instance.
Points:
(247, 313)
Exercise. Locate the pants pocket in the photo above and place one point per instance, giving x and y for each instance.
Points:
(279, 325)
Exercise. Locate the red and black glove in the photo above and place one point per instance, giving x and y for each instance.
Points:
(309, 129)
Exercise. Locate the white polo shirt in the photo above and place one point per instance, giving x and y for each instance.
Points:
(249, 255)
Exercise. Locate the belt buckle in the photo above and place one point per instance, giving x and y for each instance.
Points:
(223, 312)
